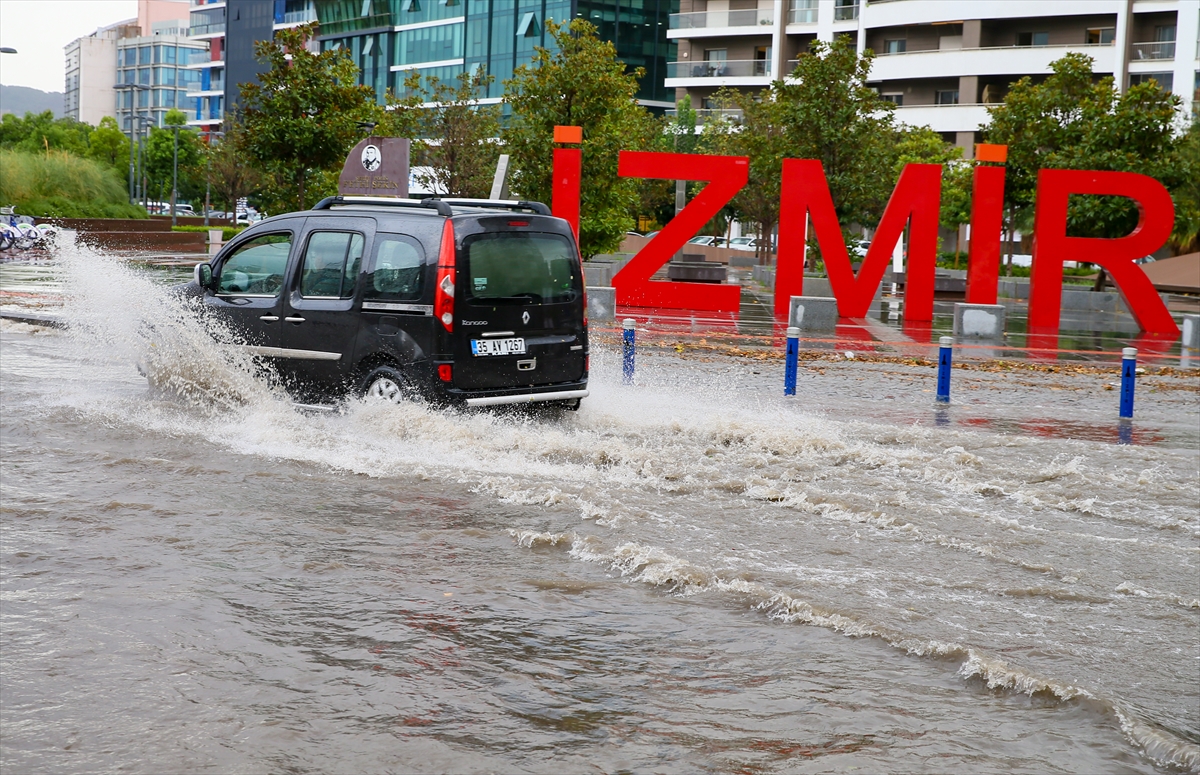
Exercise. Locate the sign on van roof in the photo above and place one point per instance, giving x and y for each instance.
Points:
(377, 166)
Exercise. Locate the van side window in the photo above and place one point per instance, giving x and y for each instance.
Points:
(256, 267)
(331, 265)
(397, 271)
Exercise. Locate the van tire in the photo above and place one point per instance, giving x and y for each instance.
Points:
(387, 383)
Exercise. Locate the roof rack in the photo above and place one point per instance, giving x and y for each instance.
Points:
(425, 204)
(503, 204)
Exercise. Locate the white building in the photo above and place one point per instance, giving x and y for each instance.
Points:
(91, 72)
(941, 61)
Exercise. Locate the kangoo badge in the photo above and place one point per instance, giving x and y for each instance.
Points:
(371, 158)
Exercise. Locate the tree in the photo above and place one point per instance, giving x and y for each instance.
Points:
(825, 111)
(1186, 236)
(160, 158)
(581, 84)
(1073, 121)
(43, 132)
(108, 145)
(922, 145)
(455, 140)
(752, 125)
(304, 116)
(225, 166)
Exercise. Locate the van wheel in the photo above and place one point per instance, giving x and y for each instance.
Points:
(386, 383)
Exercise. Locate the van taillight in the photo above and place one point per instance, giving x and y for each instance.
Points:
(518, 223)
(583, 283)
(443, 305)
(445, 372)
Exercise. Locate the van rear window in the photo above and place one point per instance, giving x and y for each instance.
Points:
(520, 267)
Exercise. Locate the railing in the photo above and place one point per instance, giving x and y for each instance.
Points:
(750, 17)
(802, 12)
(340, 26)
(984, 48)
(705, 115)
(1158, 50)
(214, 86)
(727, 68)
(847, 12)
(206, 29)
(299, 17)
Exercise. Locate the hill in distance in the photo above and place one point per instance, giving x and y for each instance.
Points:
(22, 100)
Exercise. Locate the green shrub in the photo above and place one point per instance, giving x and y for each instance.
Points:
(57, 184)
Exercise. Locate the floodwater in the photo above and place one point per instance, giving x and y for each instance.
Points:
(691, 574)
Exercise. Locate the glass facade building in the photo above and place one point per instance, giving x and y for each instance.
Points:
(160, 62)
(390, 38)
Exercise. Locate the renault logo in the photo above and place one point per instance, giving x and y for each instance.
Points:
(525, 317)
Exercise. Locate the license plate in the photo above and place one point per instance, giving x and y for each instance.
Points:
(498, 346)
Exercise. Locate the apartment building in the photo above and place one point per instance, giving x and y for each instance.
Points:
(390, 38)
(942, 62)
(229, 29)
(91, 71)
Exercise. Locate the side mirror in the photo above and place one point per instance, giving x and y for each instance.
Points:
(204, 275)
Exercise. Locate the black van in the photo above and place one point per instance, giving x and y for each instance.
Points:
(468, 301)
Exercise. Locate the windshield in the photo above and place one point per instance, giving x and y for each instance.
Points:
(521, 267)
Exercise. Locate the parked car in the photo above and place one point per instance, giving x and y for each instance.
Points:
(712, 242)
(860, 248)
(457, 300)
(749, 243)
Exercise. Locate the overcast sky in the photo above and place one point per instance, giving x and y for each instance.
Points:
(38, 30)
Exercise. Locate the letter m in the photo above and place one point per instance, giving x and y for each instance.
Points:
(914, 202)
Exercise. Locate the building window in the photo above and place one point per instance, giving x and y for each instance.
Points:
(895, 46)
(164, 76)
(1164, 33)
(1102, 36)
(896, 98)
(144, 76)
(144, 55)
(945, 97)
(1165, 81)
(1033, 39)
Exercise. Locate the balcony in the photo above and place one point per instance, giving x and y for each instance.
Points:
(217, 28)
(1002, 60)
(1158, 50)
(300, 17)
(708, 115)
(729, 72)
(944, 118)
(198, 90)
(802, 12)
(748, 21)
(845, 11)
(725, 68)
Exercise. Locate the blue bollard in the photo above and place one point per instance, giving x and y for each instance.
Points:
(943, 376)
(790, 360)
(1128, 378)
(627, 359)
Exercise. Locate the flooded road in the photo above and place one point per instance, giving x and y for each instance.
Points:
(687, 575)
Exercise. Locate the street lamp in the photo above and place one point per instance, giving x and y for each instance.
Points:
(175, 168)
(131, 88)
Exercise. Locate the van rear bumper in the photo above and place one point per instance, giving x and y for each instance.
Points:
(526, 398)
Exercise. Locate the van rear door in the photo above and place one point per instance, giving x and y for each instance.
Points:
(521, 319)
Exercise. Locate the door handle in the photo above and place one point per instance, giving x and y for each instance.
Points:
(269, 318)
(294, 320)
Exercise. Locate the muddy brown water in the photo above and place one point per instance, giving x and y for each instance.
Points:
(691, 574)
